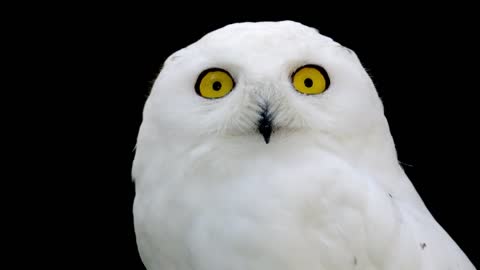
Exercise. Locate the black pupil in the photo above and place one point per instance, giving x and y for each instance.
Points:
(308, 82)
(217, 85)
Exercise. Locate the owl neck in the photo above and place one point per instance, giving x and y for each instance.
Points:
(375, 155)
(372, 153)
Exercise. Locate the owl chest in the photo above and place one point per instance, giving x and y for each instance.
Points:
(267, 221)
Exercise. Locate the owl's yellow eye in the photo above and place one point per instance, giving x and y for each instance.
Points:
(310, 80)
(214, 83)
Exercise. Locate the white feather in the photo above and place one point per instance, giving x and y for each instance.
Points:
(327, 192)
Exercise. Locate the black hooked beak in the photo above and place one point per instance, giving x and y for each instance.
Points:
(265, 123)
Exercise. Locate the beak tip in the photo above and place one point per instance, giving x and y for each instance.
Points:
(265, 124)
(266, 131)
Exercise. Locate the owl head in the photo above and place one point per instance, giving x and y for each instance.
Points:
(263, 83)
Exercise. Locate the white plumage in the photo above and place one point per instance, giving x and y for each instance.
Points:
(327, 191)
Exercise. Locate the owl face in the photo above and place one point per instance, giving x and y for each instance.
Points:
(261, 81)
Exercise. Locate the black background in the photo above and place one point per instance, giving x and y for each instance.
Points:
(105, 61)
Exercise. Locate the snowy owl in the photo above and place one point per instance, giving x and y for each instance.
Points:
(264, 146)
